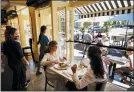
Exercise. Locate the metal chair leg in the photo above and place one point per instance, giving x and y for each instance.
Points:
(46, 86)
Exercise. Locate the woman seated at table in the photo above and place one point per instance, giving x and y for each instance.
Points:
(49, 60)
(96, 70)
(128, 66)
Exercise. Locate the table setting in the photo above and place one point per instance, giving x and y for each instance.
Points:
(64, 69)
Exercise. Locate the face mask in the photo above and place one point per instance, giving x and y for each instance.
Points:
(17, 37)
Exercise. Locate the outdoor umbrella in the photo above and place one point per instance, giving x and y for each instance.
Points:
(123, 17)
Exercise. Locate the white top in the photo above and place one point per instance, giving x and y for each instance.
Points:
(49, 57)
(88, 79)
(87, 37)
(132, 60)
(127, 64)
(86, 61)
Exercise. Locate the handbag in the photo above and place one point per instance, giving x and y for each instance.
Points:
(46, 49)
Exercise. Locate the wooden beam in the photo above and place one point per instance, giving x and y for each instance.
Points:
(72, 32)
(61, 4)
(21, 8)
(17, 2)
(66, 31)
(33, 22)
(54, 20)
(10, 8)
(22, 30)
(83, 2)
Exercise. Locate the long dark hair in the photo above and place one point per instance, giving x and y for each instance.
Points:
(7, 36)
(94, 53)
(10, 31)
(42, 30)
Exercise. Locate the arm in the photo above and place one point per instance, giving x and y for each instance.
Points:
(4, 50)
(86, 80)
(84, 64)
(45, 60)
(62, 59)
(107, 61)
(46, 39)
(20, 53)
(44, 63)
(25, 61)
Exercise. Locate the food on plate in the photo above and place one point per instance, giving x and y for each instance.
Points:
(62, 64)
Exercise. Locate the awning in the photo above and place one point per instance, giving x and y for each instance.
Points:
(123, 17)
(104, 5)
(105, 8)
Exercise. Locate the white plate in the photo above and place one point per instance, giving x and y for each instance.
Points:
(56, 66)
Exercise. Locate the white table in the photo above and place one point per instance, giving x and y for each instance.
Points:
(66, 74)
(117, 60)
(62, 73)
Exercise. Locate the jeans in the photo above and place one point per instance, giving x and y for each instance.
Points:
(42, 53)
(85, 49)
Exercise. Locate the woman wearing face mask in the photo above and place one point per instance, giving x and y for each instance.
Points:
(16, 60)
(96, 71)
(49, 60)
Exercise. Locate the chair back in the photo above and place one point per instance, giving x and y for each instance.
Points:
(112, 68)
(100, 86)
(30, 43)
(44, 67)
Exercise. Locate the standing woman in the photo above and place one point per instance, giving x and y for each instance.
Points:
(43, 40)
(16, 59)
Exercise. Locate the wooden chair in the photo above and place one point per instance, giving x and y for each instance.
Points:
(29, 48)
(112, 69)
(100, 86)
(47, 82)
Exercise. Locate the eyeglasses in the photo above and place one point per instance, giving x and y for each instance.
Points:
(55, 46)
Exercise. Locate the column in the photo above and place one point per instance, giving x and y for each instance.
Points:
(32, 13)
(72, 33)
(21, 30)
(54, 21)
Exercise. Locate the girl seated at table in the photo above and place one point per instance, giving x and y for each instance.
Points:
(96, 70)
(49, 60)
(128, 66)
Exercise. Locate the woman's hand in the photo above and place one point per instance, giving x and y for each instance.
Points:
(64, 58)
(74, 67)
(27, 63)
(82, 64)
(55, 61)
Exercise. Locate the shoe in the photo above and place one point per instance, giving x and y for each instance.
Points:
(38, 73)
(27, 83)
